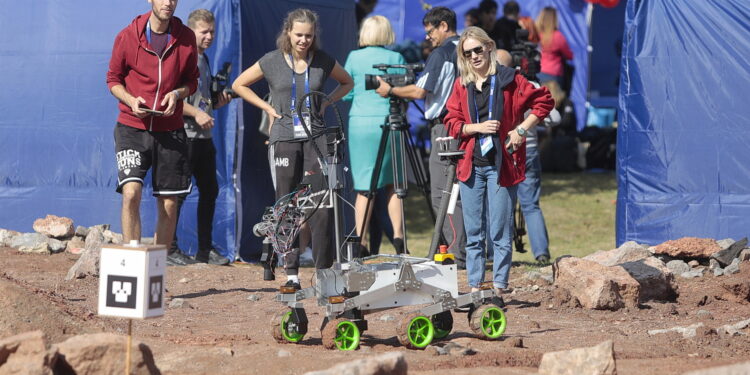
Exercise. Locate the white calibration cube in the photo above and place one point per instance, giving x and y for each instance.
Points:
(131, 280)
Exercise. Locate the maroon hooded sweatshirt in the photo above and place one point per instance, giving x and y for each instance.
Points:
(136, 66)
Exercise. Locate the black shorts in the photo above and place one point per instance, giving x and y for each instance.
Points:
(138, 150)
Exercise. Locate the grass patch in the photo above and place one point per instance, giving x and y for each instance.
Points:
(579, 209)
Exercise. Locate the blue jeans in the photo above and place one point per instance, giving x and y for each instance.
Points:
(528, 194)
(483, 184)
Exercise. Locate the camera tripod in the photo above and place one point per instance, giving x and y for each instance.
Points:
(396, 132)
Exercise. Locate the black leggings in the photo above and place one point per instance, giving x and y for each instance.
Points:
(290, 161)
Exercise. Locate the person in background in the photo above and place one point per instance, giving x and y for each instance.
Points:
(487, 15)
(554, 46)
(504, 32)
(486, 114)
(471, 17)
(366, 117)
(530, 189)
(362, 8)
(434, 86)
(527, 23)
(154, 65)
(298, 66)
(196, 114)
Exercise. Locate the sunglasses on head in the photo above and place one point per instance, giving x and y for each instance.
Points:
(477, 50)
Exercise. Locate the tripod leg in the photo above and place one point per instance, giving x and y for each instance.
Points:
(374, 179)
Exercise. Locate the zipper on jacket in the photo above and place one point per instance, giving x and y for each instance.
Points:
(158, 84)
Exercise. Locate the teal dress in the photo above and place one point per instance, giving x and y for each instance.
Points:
(367, 114)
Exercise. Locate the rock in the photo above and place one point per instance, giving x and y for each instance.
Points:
(704, 314)
(253, 297)
(76, 245)
(744, 255)
(678, 267)
(433, 350)
(514, 342)
(689, 247)
(392, 363)
(179, 303)
(29, 242)
(82, 231)
(728, 255)
(596, 286)
(40, 248)
(713, 264)
(734, 329)
(183, 280)
(718, 272)
(725, 243)
(283, 353)
(386, 318)
(693, 263)
(6, 236)
(26, 353)
(735, 369)
(656, 280)
(112, 237)
(597, 360)
(698, 272)
(739, 288)
(88, 263)
(534, 288)
(103, 353)
(101, 227)
(734, 267)
(56, 246)
(628, 252)
(54, 226)
(686, 332)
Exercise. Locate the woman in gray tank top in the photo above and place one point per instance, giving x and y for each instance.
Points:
(296, 68)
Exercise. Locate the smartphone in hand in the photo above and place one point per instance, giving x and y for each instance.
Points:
(151, 111)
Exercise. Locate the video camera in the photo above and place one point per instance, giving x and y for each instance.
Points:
(219, 83)
(395, 80)
(526, 55)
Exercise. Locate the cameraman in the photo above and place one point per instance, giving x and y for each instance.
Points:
(434, 86)
(201, 150)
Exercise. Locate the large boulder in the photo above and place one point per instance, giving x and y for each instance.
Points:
(30, 243)
(726, 256)
(88, 263)
(103, 353)
(630, 251)
(596, 286)
(657, 281)
(392, 363)
(26, 353)
(688, 247)
(55, 226)
(595, 360)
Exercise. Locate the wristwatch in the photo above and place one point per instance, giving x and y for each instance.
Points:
(521, 131)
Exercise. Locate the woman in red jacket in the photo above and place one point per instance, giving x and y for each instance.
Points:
(485, 113)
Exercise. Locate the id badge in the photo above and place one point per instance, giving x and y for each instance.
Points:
(203, 105)
(485, 144)
(299, 130)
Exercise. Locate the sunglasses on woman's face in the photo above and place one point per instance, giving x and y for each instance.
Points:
(477, 50)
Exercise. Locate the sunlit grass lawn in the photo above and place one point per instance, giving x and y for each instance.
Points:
(579, 209)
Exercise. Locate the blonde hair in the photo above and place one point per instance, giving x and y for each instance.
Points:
(376, 31)
(468, 75)
(546, 24)
(204, 15)
(300, 15)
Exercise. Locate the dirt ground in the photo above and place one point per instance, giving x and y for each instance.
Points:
(219, 330)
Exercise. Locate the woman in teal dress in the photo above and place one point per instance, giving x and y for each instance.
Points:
(367, 114)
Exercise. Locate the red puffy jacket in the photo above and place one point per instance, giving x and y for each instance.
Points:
(135, 66)
(518, 96)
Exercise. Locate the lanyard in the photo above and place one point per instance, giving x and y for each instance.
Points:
(294, 84)
(148, 33)
(492, 100)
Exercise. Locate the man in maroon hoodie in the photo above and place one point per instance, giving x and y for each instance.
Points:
(153, 67)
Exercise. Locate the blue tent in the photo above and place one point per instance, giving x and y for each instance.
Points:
(683, 135)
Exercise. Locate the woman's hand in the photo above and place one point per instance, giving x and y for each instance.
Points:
(487, 127)
(515, 140)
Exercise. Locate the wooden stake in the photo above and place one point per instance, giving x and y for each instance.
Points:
(130, 344)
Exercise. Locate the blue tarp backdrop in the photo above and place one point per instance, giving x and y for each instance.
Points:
(684, 168)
